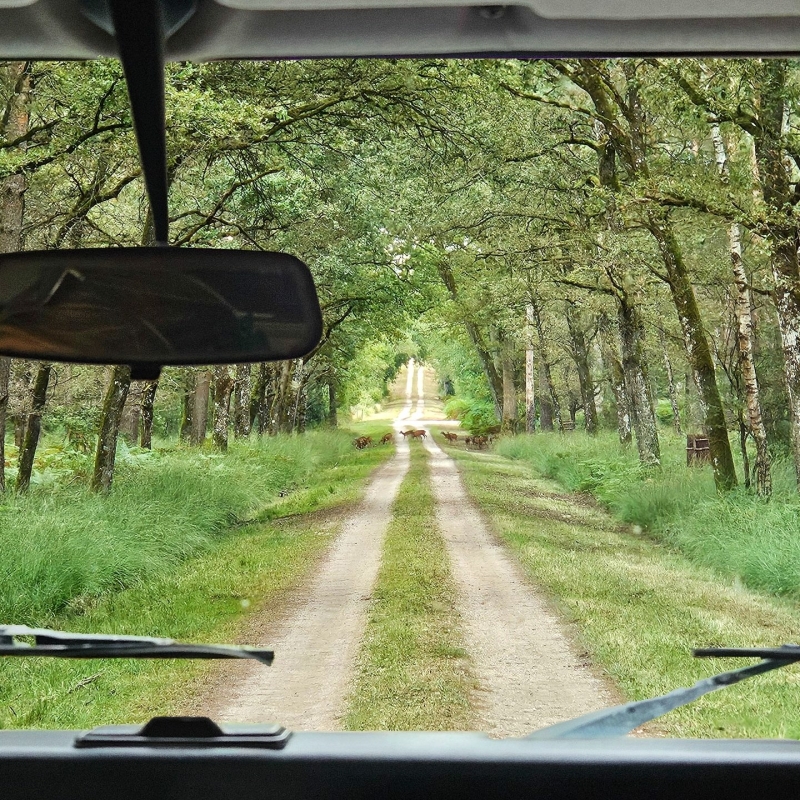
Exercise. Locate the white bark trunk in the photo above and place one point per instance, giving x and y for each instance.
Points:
(530, 402)
(744, 325)
(745, 340)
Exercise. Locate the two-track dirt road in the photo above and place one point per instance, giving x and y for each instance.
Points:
(529, 675)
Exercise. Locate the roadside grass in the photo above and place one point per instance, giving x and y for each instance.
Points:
(200, 594)
(742, 536)
(64, 544)
(412, 672)
(640, 607)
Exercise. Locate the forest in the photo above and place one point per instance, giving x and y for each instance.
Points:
(601, 244)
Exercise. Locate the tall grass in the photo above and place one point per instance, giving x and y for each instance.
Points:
(62, 545)
(742, 536)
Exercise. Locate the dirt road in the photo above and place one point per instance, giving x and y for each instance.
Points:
(317, 642)
(528, 672)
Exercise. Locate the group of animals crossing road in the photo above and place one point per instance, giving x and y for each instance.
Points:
(476, 441)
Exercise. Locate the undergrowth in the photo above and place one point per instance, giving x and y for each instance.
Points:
(740, 535)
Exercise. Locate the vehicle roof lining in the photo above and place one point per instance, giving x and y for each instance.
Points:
(59, 29)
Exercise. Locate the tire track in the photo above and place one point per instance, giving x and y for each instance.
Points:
(529, 673)
(317, 643)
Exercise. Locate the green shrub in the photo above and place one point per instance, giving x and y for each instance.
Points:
(456, 408)
(664, 412)
(477, 416)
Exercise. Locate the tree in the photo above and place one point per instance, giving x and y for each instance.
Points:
(223, 387)
(33, 427)
(15, 79)
(111, 414)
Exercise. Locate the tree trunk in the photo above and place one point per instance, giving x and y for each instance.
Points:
(300, 378)
(573, 407)
(493, 378)
(580, 355)
(545, 403)
(779, 195)
(148, 399)
(787, 295)
(200, 415)
(258, 400)
(333, 411)
(187, 406)
(241, 401)
(16, 77)
(616, 379)
(698, 351)
(530, 394)
(223, 387)
(33, 427)
(5, 372)
(744, 323)
(508, 423)
(745, 336)
(637, 383)
(16, 115)
(24, 393)
(671, 389)
(743, 431)
(131, 415)
(113, 403)
(279, 407)
(555, 407)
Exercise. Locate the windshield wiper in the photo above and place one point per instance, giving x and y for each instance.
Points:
(63, 644)
(619, 720)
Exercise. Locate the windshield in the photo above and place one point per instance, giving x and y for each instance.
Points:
(548, 443)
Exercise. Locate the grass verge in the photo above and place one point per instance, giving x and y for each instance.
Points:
(738, 534)
(413, 673)
(203, 598)
(63, 545)
(640, 607)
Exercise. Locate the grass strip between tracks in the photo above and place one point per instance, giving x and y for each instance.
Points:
(413, 673)
(639, 607)
(205, 599)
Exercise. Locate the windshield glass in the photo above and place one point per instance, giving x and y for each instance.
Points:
(548, 443)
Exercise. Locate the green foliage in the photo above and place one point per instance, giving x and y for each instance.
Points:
(476, 416)
(664, 412)
(479, 418)
(456, 408)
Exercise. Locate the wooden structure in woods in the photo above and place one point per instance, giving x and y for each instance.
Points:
(698, 450)
(568, 425)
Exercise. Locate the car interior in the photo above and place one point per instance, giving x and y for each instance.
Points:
(46, 312)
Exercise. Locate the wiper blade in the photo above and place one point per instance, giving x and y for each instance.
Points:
(63, 644)
(790, 652)
(619, 720)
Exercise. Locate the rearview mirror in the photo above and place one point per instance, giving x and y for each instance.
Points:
(153, 306)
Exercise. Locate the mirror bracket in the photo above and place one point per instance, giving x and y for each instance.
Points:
(145, 372)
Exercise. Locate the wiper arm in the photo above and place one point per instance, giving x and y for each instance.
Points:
(619, 720)
(63, 644)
